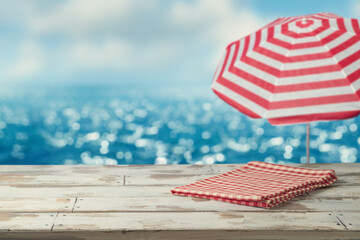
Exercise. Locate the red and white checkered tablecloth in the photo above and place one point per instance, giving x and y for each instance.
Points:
(258, 184)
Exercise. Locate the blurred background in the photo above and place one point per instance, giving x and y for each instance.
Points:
(128, 82)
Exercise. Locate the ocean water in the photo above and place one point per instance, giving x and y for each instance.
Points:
(103, 125)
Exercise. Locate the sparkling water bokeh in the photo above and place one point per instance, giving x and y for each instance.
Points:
(107, 125)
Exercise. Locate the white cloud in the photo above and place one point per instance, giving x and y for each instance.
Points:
(217, 21)
(29, 62)
(81, 17)
(71, 36)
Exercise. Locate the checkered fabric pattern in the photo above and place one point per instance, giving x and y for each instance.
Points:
(258, 184)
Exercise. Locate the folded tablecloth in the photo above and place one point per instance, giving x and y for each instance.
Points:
(258, 184)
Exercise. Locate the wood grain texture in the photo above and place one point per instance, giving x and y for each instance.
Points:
(87, 191)
(191, 204)
(108, 169)
(135, 202)
(245, 221)
(181, 235)
(183, 179)
(63, 179)
(36, 205)
(26, 222)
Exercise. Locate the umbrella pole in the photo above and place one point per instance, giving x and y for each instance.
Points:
(308, 142)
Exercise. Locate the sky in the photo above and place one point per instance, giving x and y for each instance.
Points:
(132, 42)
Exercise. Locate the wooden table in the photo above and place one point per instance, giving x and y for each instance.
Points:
(134, 202)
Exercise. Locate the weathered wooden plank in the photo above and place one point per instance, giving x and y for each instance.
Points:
(140, 191)
(84, 191)
(107, 169)
(163, 179)
(340, 168)
(36, 205)
(240, 221)
(11, 179)
(182, 179)
(180, 235)
(351, 220)
(26, 221)
(189, 204)
(336, 191)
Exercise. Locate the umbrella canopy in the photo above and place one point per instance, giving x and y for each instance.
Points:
(294, 70)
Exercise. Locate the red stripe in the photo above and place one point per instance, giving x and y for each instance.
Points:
(289, 73)
(331, 37)
(354, 76)
(253, 79)
(350, 59)
(243, 92)
(319, 43)
(236, 51)
(285, 30)
(306, 24)
(341, 47)
(307, 57)
(314, 101)
(284, 59)
(313, 117)
(271, 54)
(310, 71)
(246, 46)
(312, 85)
(261, 66)
(355, 25)
(276, 41)
(341, 24)
(237, 105)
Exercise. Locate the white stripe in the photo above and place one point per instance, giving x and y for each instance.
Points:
(220, 66)
(256, 72)
(323, 92)
(311, 28)
(247, 85)
(288, 39)
(310, 78)
(231, 54)
(309, 64)
(333, 24)
(275, 48)
(241, 48)
(277, 30)
(264, 35)
(264, 59)
(313, 50)
(325, 33)
(239, 99)
(252, 42)
(321, 108)
(339, 40)
(352, 67)
(356, 85)
(322, 35)
(348, 25)
(291, 65)
(348, 51)
(294, 28)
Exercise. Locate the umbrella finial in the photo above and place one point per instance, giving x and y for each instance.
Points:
(303, 20)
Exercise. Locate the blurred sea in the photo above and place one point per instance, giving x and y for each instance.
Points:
(100, 125)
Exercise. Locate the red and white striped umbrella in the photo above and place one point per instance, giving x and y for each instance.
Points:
(294, 70)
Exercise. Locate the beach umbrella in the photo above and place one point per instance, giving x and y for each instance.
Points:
(294, 70)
